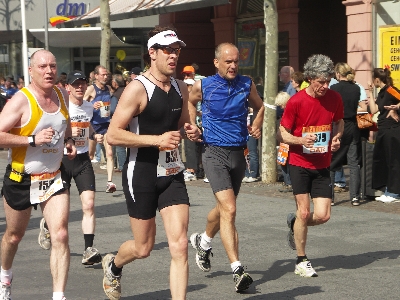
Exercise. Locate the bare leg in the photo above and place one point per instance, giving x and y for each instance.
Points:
(176, 220)
(17, 222)
(56, 212)
(89, 219)
(305, 218)
(144, 232)
(110, 159)
(222, 218)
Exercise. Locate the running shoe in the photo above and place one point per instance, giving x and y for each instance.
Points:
(111, 283)
(5, 292)
(355, 202)
(206, 180)
(91, 256)
(304, 269)
(340, 189)
(242, 280)
(44, 236)
(189, 176)
(290, 237)
(202, 256)
(103, 167)
(111, 187)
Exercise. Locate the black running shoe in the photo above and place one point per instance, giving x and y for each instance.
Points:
(202, 256)
(242, 280)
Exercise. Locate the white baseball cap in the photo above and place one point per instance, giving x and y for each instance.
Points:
(164, 38)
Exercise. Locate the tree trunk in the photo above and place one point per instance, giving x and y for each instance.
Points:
(268, 160)
(105, 33)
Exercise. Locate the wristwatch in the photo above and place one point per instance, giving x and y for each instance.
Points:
(31, 140)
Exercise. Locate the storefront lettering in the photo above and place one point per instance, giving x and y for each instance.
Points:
(70, 9)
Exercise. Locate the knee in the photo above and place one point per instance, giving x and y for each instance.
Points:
(144, 251)
(88, 207)
(13, 238)
(179, 248)
(228, 211)
(324, 218)
(60, 237)
(303, 215)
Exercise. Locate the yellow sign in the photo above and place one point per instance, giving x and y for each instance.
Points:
(390, 51)
(121, 55)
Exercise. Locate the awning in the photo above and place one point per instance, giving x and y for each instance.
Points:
(127, 9)
(76, 37)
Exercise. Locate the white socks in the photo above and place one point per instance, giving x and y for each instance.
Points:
(6, 276)
(205, 242)
(235, 265)
(58, 295)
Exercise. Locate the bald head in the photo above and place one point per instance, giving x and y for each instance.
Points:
(224, 48)
(37, 56)
(285, 74)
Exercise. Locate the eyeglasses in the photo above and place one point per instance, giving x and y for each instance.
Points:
(169, 50)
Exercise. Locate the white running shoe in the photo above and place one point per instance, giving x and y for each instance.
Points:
(304, 269)
(5, 291)
(206, 180)
(44, 236)
(390, 199)
(189, 176)
(380, 198)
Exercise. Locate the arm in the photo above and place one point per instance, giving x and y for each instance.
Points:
(187, 128)
(194, 97)
(337, 132)
(288, 138)
(258, 112)
(131, 103)
(89, 95)
(373, 107)
(70, 144)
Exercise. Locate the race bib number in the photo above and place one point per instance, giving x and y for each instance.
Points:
(169, 163)
(45, 185)
(83, 139)
(323, 137)
(283, 154)
(105, 109)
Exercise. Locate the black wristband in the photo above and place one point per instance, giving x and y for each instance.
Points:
(31, 140)
(69, 138)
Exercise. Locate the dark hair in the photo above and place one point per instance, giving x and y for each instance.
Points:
(383, 75)
(298, 77)
(153, 32)
(258, 80)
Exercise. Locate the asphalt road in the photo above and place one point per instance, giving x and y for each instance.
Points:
(355, 253)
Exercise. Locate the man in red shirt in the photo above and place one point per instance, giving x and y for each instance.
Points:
(312, 125)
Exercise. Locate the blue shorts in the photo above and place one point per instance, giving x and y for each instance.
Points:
(101, 128)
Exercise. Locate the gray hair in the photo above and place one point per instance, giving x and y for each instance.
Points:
(317, 66)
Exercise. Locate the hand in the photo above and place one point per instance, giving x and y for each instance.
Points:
(99, 138)
(192, 132)
(370, 86)
(44, 136)
(255, 132)
(393, 114)
(76, 131)
(97, 105)
(308, 140)
(335, 145)
(71, 149)
(391, 107)
(169, 140)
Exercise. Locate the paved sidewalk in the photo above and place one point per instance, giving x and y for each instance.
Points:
(355, 253)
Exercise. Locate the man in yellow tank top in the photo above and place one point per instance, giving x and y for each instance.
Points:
(35, 126)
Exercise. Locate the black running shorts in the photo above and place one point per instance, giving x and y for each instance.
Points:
(224, 167)
(317, 183)
(145, 193)
(80, 168)
(17, 194)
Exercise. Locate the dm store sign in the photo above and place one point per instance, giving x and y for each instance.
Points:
(70, 9)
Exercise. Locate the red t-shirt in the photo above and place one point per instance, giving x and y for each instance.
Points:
(303, 115)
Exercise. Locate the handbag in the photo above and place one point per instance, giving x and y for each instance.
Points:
(364, 121)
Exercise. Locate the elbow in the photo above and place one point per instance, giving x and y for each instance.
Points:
(111, 140)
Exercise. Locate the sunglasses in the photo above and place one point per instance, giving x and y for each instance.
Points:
(169, 50)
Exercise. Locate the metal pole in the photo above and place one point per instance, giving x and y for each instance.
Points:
(46, 26)
(24, 45)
